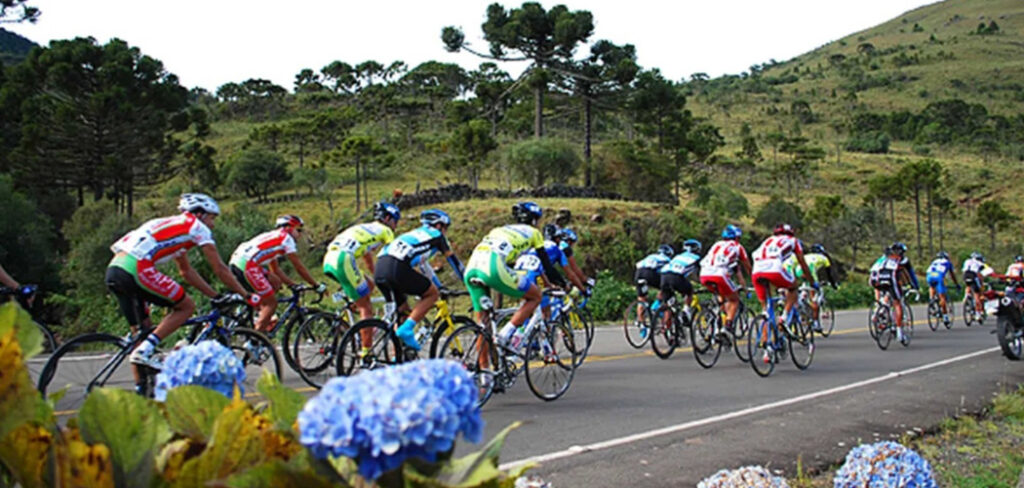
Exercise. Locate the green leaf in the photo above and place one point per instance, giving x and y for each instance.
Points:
(274, 474)
(192, 411)
(28, 335)
(234, 447)
(478, 469)
(131, 426)
(285, 403)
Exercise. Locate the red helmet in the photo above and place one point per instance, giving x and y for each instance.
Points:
(783, 229)
(291, 221)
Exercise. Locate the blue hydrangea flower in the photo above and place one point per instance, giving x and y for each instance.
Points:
(208, 363)
(745, 477)
(884, 465)
(381, 418)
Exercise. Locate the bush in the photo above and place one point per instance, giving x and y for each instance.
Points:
(777, 210)
(611, 296)
(874, 142)
(884, 464)
(539, 161)
(26, 239)
(851, 295)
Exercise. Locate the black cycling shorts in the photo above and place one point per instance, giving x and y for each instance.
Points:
(651, 277)
(131, 297)
(972, 280)
(673, 282)
(397, 279)
(888, 282)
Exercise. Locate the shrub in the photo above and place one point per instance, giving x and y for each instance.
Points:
(884, 464)
(26, 238)
(745, 477)
(208, 364)
(851, 295)
(611, 296)
(539, 161)
(874, 142)
(777, 210)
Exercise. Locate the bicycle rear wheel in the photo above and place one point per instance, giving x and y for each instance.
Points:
(907, 331)
(801, 343)
(934, 315)
(827, 318)
(289, 335)
(883, 326)
(969, 312)
(762, 357)
(314, 346)
(575, 323)
(588, 320)
(636, 322)
(550, 360)
(83, 363)
(256, 352)
(468, 345)
(706, 347)
(442, 331)
(382, 350)
(741, 336)
(872, 327)
(663, 337)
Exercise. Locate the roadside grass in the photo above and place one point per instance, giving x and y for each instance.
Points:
(983, 450)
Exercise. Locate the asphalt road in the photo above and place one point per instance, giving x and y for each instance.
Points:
(631, 419)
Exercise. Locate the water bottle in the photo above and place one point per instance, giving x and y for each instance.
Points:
(517, 338)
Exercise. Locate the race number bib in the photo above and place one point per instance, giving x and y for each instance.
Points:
(501, 247)
(345, 245)
(400, 249)
(529, 262)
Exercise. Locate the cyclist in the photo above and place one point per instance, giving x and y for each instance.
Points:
(254, 263)
(567, 238)
(906, 265)
(1016, 269)
(885, 276)
(648, 273)
(769, 269)
(974, 269)
(817, 260)
(675, 276)
(403, 268)
(718, 267)
(360, 241)
(135, 281)
(489, 266)
(23, 292)
(528, 264)
(936, 277)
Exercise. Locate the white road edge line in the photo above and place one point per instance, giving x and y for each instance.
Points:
(573, 450)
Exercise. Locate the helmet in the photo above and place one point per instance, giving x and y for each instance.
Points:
(899, 247)
(198, 202)
(818, 248)
(666, 250)
(434, 216)
(381, 210)
(567, 235)
(526, 212)
(942, 255)
(550, 231)
(783, 229)
(1018, 259)
(977, 255)
(692, 245)
(731, 232)
(289, 220)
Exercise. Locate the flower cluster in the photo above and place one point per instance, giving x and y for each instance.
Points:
(207, 363)
(381, 418)
(745, 477)
(884, 464)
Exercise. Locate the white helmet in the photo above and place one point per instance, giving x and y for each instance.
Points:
(198, 202)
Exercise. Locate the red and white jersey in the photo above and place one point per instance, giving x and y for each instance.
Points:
(777, 248)
(1016, 270)
(721, 258)
(160, 240)
(261, 249)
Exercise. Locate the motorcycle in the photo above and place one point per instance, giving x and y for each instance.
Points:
(1009, 320)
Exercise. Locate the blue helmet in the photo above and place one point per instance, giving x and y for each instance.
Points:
(692, 245)
(899, 247)
(527, 212)
(666, 250)
(732, 232)
(381, 210)
(568, 235)
(435, 216)
(551, 232)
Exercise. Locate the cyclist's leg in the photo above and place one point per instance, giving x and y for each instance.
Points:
(665, 293)
(404, 280)
(255, 279)
(149, 285)
(897, 302)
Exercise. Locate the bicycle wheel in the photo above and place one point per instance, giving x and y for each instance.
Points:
(663, 336)
(801, 343)
(827, 318)
(706, 346)
(636, 323)
(883, 326)
(550, 360)
(473, 348)
(741, 336)
(83, 363)
(289, 335)
(970, 313)
(256, 351)
(314, 346)
(907, 331)
(762, 357)
(934, 315)
(353, 356)
(872, 326)
(588, 320)
(442, 331)
(579, 335)
(952, 314)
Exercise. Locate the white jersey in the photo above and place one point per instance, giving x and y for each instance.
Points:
(972, 265)
(160, 240)
(771, 255)
(721, 258)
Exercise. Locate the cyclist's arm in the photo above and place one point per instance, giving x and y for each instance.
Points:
(799, 253)
(574, 278)
(833, 279)
(456, 265)
(7, 281)
(953, 275)
(550, 272)
(275, 268)
(220, 269)
(576, 269)
(745, 266)
(192, 277)
(301, 269)
(370, 264)
(913, 276)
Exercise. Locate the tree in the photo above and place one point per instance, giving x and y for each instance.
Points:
(13, 11)
(545, 38)
(308, 81)
(492, 87)
(633, 170)
(826, 211)
(473, 142)
(860, 228)
(921, 177)
(359, 149)
(198, 168)
(26, 238)
(94, 118)
(339, 77)
(256, 172)
(776, 211)
(992, 216)
(802, 154)
(540, 161)
(749, 151)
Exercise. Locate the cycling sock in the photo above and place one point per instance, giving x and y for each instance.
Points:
(656, 305)
(149, 343)
(407, 335)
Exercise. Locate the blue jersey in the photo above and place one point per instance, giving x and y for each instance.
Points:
(653, 261)
(530, 263)
(939, 268)
(682, 264)
(416, 246)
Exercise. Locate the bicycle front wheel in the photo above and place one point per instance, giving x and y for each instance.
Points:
(706, 346)
(256, 352)
(762, 357)
(907, 331)
(368, 345)
(969, 312)
(801, 343)
(636, 324)
(663, 337)
(86, 362)
(550, 360)
(471, 347)
(442, 331)
(581, 339)
(314, 345)
(289, 335)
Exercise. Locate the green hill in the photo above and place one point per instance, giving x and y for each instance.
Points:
(13, 47)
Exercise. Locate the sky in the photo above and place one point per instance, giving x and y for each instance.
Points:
(207, 43)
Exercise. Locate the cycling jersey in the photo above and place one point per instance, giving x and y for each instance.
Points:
(1015, 271)
(883, 275)
(682, 264)
(905, 264)
(263, 248)
(972, 265)
(160, 240)
(529, 263)
(489, 264)
(937, 272)
(566, 248)
(722, 258)
(416, 246)
(815, 262)
(350, 244)
(773, 252)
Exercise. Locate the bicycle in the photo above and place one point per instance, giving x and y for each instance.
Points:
(826, 314)
(294, 314)
(935, 315)
(316, 342)
(547, 356)
(885, 325)
(578, 319)
(637, 320)
(970, 312)
(94, 360)
(709, 335)
(769, 342)
(385, 348)
(666, 337)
